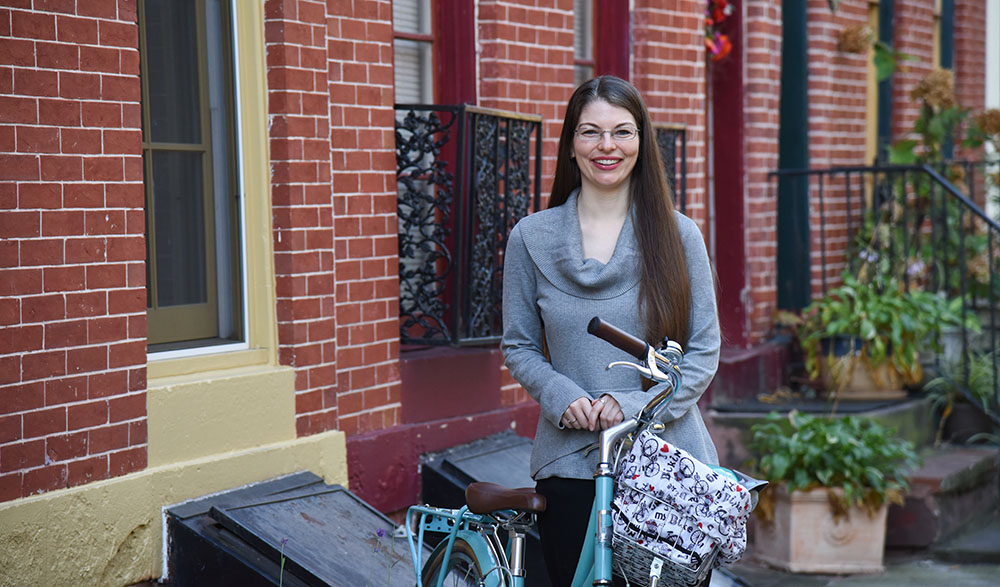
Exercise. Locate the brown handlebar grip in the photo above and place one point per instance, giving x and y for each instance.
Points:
(618, 337)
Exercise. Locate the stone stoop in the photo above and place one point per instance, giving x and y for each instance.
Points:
(956, 486)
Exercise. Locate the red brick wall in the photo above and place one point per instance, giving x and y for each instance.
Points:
(914, 25)
(298, 119)
(970, 53)
(970, 62)
(913, 35)
(72, 297)
(761, 102)
(837, 86)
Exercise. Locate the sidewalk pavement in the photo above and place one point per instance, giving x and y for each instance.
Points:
(971, 559)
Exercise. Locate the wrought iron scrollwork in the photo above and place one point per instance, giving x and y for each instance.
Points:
(487, 167)
(425, 191)
(672, 141)
(463, 184)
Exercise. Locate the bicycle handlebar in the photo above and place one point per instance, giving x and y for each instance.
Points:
(618, 337)
(660, 366)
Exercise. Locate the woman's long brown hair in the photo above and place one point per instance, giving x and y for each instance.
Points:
(664, 288)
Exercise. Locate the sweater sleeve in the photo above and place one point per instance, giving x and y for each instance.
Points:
(701, 353)
(523, 336)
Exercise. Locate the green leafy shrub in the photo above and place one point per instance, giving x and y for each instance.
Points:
(947, 388)
(890, 325)
(858, 455)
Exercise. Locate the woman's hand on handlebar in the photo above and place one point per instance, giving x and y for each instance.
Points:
(586, 414)
(577, 415)
(605, 413)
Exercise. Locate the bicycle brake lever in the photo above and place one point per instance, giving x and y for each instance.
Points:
(639, 368)
(651, 370)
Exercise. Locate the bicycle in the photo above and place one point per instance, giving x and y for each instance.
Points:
(472, 551)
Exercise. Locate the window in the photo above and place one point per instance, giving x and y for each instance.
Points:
(583, 41)
(944, 34)
(413, 51)
(193, 262)
(604, 49)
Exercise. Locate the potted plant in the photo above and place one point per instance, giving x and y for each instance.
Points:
(832, 479)
(862, 341)
(965, 409)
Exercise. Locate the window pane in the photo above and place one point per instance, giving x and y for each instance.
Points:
(178, 203)
(172, 61)
(583, 30)
(582, 73)
(413, 72)
(411, 16)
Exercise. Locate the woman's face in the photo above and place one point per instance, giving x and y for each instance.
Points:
(607, 162)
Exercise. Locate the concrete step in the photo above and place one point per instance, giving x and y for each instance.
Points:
(956, 485)
(978, 544)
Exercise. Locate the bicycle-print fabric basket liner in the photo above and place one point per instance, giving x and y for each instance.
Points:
(677, 507)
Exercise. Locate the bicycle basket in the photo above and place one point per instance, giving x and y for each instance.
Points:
(672, 507)
(634, 561)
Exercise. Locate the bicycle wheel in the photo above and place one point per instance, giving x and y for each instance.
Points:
(461, 569)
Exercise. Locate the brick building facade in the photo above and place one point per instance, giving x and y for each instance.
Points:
(318, 361)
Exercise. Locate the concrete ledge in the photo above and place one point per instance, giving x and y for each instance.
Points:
(111, 532)
(730, 429)
(745, 373)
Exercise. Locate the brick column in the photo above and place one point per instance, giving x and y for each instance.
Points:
(761, 103)
(526, 65)
(668, 68)
(913, 27)
(295, 34)
(363, 163)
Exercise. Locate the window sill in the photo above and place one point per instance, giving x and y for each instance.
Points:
(203, 361)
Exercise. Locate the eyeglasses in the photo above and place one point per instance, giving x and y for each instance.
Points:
(619, 134)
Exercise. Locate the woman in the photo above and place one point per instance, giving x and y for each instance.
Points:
(609, 245)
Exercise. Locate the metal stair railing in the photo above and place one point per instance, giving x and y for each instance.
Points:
(913, 223)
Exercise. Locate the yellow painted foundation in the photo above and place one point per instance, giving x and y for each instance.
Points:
(111, 532)
(206, 435)
(195, 417)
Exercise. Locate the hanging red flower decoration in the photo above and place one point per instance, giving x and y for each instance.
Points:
(717, 44)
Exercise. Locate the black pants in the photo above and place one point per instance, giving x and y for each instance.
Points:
(562, 527)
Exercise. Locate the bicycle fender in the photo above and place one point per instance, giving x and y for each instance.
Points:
(493, 576)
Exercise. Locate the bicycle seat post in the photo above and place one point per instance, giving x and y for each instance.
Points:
(517, 552)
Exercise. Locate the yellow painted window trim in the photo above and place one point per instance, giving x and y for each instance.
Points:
(255, 187)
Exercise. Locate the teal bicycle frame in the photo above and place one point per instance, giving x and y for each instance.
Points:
(459, 523)
(594, 566)
(502, 564)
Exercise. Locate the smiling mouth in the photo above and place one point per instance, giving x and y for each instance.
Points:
(606, 162)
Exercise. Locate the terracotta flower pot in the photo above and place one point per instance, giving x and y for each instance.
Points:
(850, 376)
(804, 537)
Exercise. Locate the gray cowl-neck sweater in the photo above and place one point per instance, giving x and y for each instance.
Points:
(547, 282)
